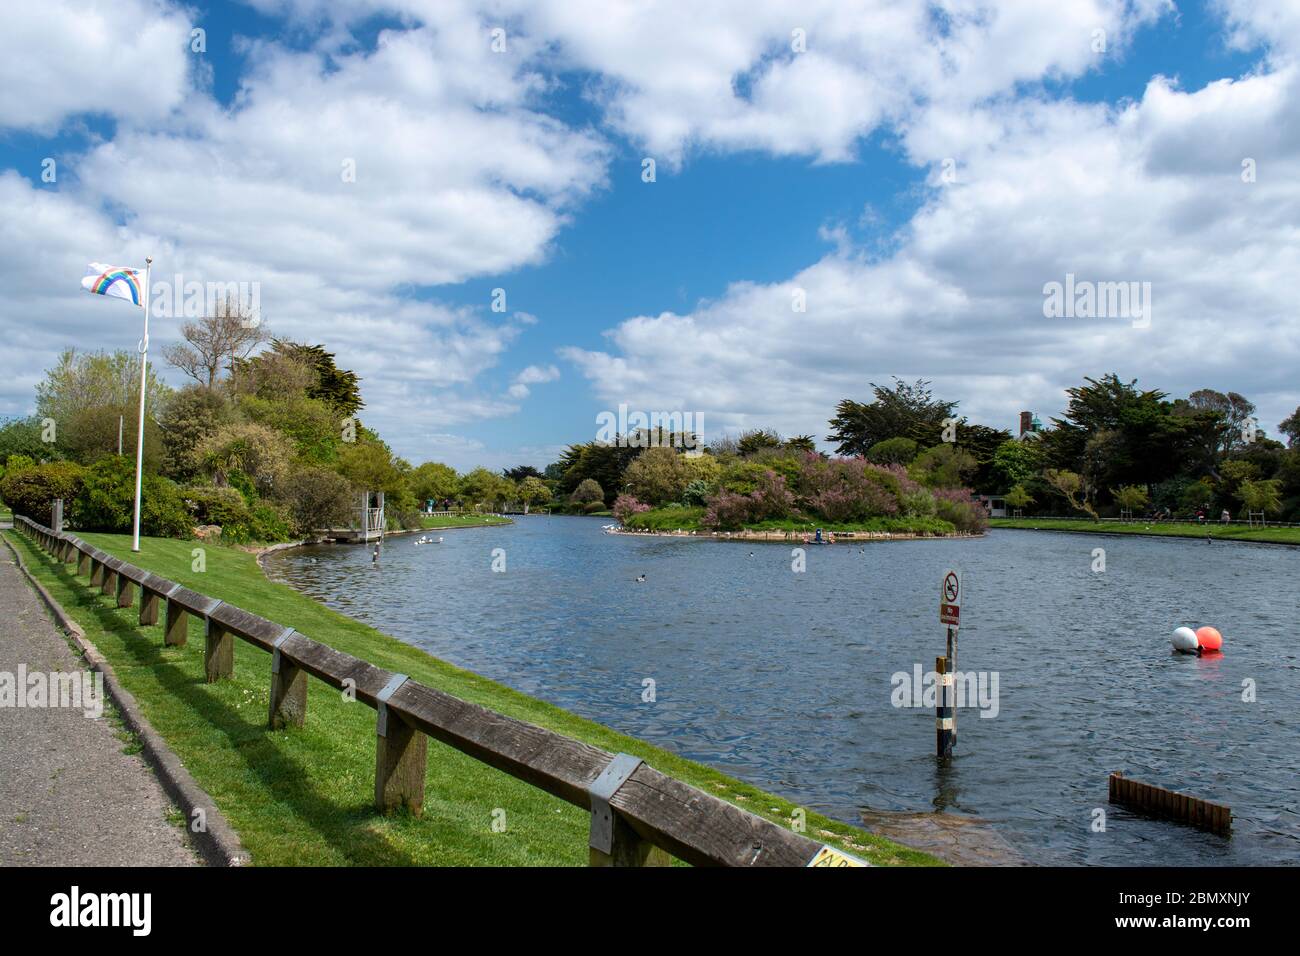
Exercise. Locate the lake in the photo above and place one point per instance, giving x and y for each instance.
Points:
(784, 679)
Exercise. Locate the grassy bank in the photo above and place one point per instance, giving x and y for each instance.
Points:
(303, 796)
(689, 519)
(1220, 532)
(462, 521)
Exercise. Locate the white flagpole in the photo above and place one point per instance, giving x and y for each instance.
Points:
(139, 441)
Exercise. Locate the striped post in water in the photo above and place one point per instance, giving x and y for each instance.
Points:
(943, 722)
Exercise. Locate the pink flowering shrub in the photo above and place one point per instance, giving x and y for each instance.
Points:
(625, 506)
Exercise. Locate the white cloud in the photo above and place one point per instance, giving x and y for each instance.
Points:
(128, 59)
(1151, 192)
(532, 375)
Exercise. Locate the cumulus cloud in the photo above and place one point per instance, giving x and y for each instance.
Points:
(1151, 191)
(346, 185)
(127, 59)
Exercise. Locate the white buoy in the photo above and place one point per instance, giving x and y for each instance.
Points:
(1184, 640)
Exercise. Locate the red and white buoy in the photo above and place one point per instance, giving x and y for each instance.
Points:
(1203, 640)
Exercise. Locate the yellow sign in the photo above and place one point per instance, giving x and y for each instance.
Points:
(829, 857)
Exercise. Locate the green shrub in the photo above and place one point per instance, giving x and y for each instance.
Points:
(317, 498)
(220, 506)
(29, 489)
(107, 502)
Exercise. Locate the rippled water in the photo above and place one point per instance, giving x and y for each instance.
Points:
(784, 679)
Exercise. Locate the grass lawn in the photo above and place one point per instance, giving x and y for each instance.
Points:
(304, 796)
(1231, 532)
(461, 521)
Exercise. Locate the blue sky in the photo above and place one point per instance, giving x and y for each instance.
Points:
(777, 170)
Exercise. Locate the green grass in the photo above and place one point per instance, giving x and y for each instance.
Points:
(462, 521)
(676, 517)
(1231, 532)
(304, 796)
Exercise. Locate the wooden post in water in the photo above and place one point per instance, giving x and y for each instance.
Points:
(943, 709)
(952, 671)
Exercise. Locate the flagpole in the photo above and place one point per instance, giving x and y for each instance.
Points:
(139, 441)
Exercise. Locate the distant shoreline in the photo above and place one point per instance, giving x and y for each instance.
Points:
(1288, 537)
(797, 537)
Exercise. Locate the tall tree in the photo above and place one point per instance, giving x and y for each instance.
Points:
(217, 342)
(906, 410)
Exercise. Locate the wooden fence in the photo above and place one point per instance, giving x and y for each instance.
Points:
(637, 813)
(1158, 802)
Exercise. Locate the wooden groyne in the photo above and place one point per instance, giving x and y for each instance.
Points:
(1156, 801)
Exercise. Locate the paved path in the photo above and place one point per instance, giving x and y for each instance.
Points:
(69, 796)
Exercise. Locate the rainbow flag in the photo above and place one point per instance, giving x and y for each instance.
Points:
(111, 280)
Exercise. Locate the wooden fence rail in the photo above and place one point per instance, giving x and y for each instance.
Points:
(638, 813)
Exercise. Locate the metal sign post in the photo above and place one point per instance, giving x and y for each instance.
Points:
(946, 666)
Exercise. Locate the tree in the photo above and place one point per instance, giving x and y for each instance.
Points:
(532, 490)
(316, 498)
(1131, 498)
(587, 494)
(907, 410)
(217, 343)
(434, 481)
(658, 476)
(87, 396)
(1112, 433)
(1071, 486)
(337, 387)
(1261, 496)
(752, 441)
(1019, 498)
(943, 466)
(191, 415)
(370, 465)
(483, 488)
(23, 437)
(892, 451)
(520, 472)
(260, 453)
(1290, 427)
(1016, 462)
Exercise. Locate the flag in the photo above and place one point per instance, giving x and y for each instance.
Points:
(111, 280)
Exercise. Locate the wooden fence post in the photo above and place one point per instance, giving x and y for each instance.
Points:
(611, 841)
(96, 573)
(288, 689)
(218, 648)
(177, 630)
(83, 563)
(125, 591)
(401, 756)
(149, 601)
(108, 584)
